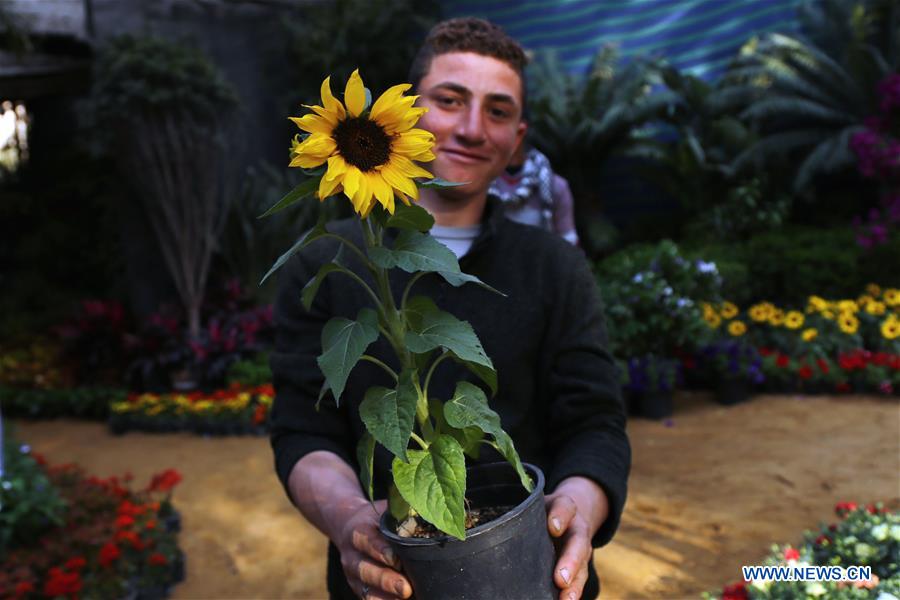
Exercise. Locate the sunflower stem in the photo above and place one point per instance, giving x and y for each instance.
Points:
(353, 247)
(386, 368)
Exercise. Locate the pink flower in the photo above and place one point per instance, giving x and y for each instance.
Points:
(791, 554)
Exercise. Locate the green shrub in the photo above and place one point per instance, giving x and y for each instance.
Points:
(652, 296)
(84, 403)
(251, 372)
(30, 505)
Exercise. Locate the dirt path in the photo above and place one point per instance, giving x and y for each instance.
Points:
(708, 493)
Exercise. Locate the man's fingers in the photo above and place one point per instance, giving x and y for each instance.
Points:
(576, 551)
(383, 580)
(573, 592)
(560, 513)
(369, 541)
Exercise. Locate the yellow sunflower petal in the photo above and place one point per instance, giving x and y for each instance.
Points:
(313, 123)
(351, 181)
(388, 99)
(382, 190)
(329, 187)
(414, 146)
(306, 161)
(408, 168)
(395, 178)
(337, 166)
(400, 118)
(355, 94)
(363, 199)
(329, 102)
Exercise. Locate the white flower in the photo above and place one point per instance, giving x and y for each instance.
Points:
(880, 532)
(638, 278)
(815, 588)
(706, 267)
(761, 584)
(864, 551)
(886, 596)
(6, 485)
(895, 532)
(667, 291)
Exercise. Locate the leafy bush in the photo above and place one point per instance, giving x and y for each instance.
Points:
(30, 504)
(84, 402)
(252, 371)
(790, 264)
(113, 543)
(652, 296)
(865, 536)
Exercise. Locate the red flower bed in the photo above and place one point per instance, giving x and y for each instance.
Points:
(114, 541)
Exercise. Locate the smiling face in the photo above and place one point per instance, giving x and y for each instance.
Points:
(475, 113)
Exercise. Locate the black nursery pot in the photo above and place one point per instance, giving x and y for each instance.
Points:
(511, 557)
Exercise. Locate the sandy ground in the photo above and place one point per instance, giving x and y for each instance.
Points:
(709, 492)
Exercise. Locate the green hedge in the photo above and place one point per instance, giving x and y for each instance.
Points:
(84, 403)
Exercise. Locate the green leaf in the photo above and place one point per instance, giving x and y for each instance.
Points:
(295, 195)
(389, 415)
(412, 217)
(312, 286)
(433, 482)
(322, 391)
(397, 505)
(365, 456)
(437, 183)
(486, 374)
(469, 439)
(416, 309)
(343, 343)
(416, 251)
(309, 237)
(438, 329)
(469, 408)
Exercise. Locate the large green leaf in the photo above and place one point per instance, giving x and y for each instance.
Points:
(433, 482)
(487, 374)
(307, 238)
(412, 217)
(343, 344)
(389, 415)
(312, 286)
(469, 408)
(438, 329)
(416, 251)
(397, 505)
(365, 456)
(295, 195)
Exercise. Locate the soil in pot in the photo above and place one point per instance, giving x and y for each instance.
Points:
(507, 557)
(417, 527)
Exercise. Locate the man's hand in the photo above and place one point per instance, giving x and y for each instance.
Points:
(368, 561)
(575, 511)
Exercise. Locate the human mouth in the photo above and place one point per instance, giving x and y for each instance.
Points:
(462, 156)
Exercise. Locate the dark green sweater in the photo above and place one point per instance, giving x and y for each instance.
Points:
(558, 393)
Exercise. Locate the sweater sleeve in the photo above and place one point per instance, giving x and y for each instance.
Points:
(587, 416)
(297, 427)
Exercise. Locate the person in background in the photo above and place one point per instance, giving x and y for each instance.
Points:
(534, 195)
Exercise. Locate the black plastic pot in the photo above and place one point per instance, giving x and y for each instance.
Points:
(511, 557)
(732, 390)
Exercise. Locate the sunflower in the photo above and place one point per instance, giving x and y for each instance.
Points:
(809, 334)
(873, 289)
(847, 306)
(776, 317)
(729, 310)
(713, 320)
(760, 312)
(816, 304)
(794, 319)
(737, 328)
(848, 322)
(370, 152)
(890, 328)
(875, 308)
(892, 297)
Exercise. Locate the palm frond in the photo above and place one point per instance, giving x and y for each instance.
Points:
(778, 145)
(797, 109)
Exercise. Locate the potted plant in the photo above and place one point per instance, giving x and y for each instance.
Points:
(736, 367)
(438, 509)
(649, 382)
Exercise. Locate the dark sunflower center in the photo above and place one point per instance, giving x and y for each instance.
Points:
(362, 143)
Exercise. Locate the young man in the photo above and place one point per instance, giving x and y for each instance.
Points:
(559, 394)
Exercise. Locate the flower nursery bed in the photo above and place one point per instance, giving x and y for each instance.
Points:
(711, 490)
(67, 534)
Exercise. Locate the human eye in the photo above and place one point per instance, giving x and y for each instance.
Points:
(500, 113)
(447, 101)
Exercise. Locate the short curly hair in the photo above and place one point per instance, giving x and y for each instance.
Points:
(468, 34)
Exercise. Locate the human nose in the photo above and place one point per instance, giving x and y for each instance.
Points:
(470, 126)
